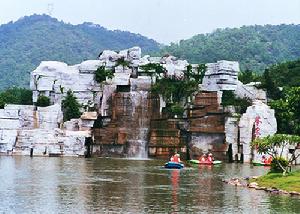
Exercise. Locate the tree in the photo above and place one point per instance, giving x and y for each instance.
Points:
(175, 91)
(275, 145)
(43, 101)
(16, 95)
(121, 61)
(229, 99)
(200, 73)
(248, 76)
(60, 41)
(287, 111)
(102, 73)
(269, 84)
(158, 68)
(255, 47)
(70, 107)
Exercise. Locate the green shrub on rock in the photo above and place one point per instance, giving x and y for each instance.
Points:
(43, 101)
(102, 73)
(70, 107)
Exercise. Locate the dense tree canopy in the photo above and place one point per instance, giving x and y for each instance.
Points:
(15, 95)
(255, 47)
(282, 82)
(287, 111)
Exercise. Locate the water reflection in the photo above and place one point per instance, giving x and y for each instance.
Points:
(175, 186)
(74, 185)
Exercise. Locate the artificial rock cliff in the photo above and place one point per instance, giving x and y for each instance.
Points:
(121, 117)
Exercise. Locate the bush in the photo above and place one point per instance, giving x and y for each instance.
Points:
(43, 101)
(71, 107)
(101, 74)
(229, 99)
(121, 61)
(158, 68)
(275, 166)
(177, 109)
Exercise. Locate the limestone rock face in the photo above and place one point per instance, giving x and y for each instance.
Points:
(142, 83)
(7, 140)
(221, 76)
(258, 121)
(249, 91)
(109, 55)
(175, 68)
(50, 142)
(50, 117)
(134, 53)
(231, 136)
(23, 128)
(54, 79)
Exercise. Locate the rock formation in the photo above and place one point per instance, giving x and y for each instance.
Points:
(122, 117)
(258, 121)
(25, 128)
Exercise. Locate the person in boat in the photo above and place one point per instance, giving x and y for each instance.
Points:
(210, 158)
(269, 160)
(266, 160)
(175, 158)
(203, 158)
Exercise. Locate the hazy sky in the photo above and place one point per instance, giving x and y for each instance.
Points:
(163, 20)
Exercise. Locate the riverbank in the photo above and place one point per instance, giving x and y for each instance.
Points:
(290, 182)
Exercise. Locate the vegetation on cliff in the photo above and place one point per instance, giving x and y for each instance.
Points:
(176, 90)
(255, 47)
(70, 107)
(229, 99)
(102, 73)
(30, 40)
(15, 95)
(43, 101)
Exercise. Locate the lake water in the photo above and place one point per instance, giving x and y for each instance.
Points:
(102, 185)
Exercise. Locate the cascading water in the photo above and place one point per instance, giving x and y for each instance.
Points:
(137, 142)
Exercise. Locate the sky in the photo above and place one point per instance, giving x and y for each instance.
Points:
(163, 20)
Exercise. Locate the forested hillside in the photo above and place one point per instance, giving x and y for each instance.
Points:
(255, 47)
(26, 42)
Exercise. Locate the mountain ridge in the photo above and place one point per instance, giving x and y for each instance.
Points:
(31, 39)
(256, 47)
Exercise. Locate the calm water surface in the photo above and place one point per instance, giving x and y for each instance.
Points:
(77, 185)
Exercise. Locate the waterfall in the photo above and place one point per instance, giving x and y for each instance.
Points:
(137, 142)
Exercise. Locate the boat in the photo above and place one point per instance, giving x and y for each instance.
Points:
(215, 162)
(259, 163)
(174, 165)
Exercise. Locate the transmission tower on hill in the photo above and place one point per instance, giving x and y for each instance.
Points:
(50, 8)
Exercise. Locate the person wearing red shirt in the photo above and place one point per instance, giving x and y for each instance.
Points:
(176, 158)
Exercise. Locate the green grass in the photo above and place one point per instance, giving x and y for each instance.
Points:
(290, 182)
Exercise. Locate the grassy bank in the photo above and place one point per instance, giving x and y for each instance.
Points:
(291, 182)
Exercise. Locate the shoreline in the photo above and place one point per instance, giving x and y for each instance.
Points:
(270, 183)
